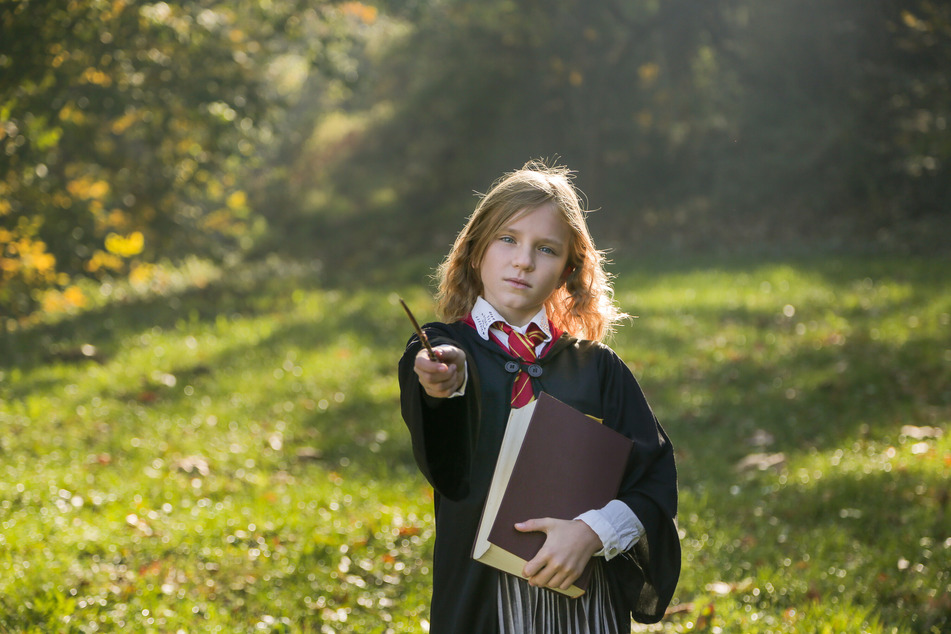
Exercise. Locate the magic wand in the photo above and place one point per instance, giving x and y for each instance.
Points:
(419, 332)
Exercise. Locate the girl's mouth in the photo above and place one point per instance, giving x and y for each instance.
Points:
(518, 283)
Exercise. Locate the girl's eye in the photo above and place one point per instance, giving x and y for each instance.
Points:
(547, 250)
(508, 239)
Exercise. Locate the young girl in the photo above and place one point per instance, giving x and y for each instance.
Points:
(525, 283)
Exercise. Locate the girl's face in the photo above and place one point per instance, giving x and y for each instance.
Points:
(525, 262)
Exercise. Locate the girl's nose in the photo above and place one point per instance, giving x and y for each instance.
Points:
(524, 259)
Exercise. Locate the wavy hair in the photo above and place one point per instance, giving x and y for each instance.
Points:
(584, 305)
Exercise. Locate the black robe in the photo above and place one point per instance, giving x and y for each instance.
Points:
(456, 442)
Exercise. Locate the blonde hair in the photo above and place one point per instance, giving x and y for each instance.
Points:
(584, 305)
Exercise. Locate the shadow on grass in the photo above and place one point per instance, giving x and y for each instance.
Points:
(809, 398)
(884, 532)
(362, 432)
(817, 399)
(864, 538)
(817, 394)
(256, 289)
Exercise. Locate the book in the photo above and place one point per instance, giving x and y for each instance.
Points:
(554, 462)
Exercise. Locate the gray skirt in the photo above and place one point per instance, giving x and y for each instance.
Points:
(526, 609)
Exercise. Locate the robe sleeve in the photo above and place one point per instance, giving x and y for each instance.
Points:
(443, 430)
(647, 575)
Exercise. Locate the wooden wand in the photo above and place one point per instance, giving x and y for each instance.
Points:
(419, 333)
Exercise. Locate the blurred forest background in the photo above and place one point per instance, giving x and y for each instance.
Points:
(136, 135)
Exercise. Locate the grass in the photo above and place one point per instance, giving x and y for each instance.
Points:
(228, 456)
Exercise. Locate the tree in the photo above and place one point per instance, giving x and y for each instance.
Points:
(750, 119)
(128, 128)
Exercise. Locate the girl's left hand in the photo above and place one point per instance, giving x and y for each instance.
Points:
(568, 547)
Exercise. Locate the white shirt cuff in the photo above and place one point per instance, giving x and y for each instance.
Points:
(616, 526)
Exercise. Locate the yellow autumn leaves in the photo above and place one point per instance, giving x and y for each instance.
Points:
(28, 267)
(55, 301)
(125, 246)
(23, 256)
(87, 188)
(363, 12)
(118, 246)
(118, 249)
(24, 261)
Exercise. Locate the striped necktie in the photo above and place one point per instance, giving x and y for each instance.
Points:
(522, 347)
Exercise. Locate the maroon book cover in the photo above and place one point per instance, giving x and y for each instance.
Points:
(568, 463)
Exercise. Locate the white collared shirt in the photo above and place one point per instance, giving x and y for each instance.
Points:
(484, 316)
(615, 524)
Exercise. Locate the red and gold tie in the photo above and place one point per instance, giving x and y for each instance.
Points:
(522, 347)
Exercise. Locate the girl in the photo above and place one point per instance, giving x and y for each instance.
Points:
(524, 282)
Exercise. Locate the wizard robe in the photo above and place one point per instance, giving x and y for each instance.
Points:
(456, 443)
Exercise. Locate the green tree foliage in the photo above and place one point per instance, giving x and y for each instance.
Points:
(130, 129)
(909, 105)
(844, 106)
(756, 117)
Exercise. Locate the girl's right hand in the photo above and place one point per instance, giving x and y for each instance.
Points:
(444, 377)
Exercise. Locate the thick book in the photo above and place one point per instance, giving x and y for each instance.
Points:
(554, 462)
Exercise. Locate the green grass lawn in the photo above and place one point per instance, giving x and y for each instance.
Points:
(227, 454)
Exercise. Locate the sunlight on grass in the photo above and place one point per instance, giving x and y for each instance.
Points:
(218, 466)
(786, 389)
(229, 456)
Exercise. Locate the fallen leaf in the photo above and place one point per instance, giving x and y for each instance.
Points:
(139, 524)
(705, 618)
(151, 568)
(680, 608)
(147, 396)
(920, 433)
(308, 453)
(761, 462)
(720, 588)
(193, 464)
